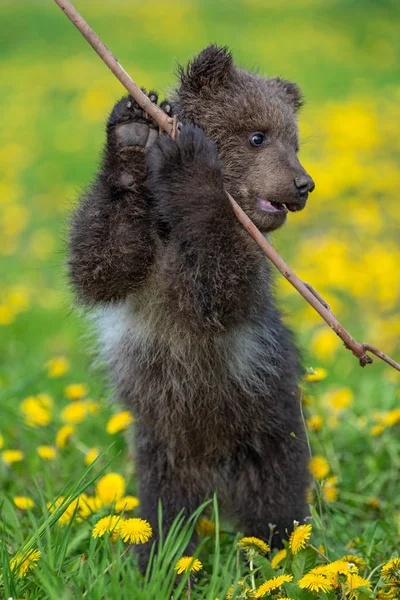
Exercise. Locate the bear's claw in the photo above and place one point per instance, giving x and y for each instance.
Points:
(132, 127)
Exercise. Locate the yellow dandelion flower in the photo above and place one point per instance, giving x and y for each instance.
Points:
(205, 527)
(315, 583)
(18, 298)
(23, 565)
(354, 582)
(89, 505)
(110, 524)
(272, 584)
(46, 452)
(319, 467)
(389, 593)
(388, 419)
(319, 570)
(1, 441)
(324, 344)
(329, 489)
(35, 410)
(317, 374)
(63, 435)
(14, 219)
(23, 502)
(45, 399)
(315, 423)
(82, 506)
(188, 563)
(119, 422)
(299, 537)
(254, 543)
(136, 531)
(377, 430)
(392, 417)
(57, 366)
(245, 592)
(70, 510)
(278, 558)
(74, 413)
(374, 503)
(126, 503)
(340, 567)
(339, 399)
(91, 456)
(390, 571)
(110, 488)
(75, 391)
(355, 560)
(7, 315)
(12, 456)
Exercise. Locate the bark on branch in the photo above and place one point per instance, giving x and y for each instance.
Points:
(170, 126)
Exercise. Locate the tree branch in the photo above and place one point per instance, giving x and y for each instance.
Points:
(172, 128)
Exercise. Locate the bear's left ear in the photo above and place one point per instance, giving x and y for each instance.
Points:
(291, 91)
(212, 67)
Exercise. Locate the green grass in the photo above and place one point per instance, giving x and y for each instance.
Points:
(55, 97)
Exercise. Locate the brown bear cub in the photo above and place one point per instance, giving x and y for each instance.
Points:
(184, 308)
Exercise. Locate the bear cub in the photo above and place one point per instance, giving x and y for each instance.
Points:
(182, 295)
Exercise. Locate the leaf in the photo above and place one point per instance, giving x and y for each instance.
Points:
(303, 562)
(364, 595)
(265, 566)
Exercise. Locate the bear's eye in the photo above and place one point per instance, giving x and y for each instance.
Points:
(257, 139)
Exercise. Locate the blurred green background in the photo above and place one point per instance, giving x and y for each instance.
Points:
(55, 97)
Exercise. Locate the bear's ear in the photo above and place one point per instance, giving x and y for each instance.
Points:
(212, 67)
(291, 91)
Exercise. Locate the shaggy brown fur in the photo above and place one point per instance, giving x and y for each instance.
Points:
(186, 317)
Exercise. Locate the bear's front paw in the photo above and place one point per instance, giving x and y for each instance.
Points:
(192, 157)
(131, 127)
(184, 176)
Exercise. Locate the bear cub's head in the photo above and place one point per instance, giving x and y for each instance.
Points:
(252, 120)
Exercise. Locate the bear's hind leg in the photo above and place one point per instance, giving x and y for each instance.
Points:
(160, 480)
(269, 490)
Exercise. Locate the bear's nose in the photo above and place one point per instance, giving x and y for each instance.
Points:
(304, 184)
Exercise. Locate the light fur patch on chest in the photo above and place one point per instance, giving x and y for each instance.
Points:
(129, 334)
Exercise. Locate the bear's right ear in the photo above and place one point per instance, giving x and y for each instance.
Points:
(291, 90)
(212, 67)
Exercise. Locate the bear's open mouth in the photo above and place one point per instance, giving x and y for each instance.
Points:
(275, 207)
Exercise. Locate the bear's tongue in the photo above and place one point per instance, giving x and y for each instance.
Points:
(268, 207)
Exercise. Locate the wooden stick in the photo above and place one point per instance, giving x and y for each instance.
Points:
(106, 56)
(172, 128)
(305, 290)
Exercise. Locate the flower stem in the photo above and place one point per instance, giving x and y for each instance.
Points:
(253, 581)
(321, 554)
